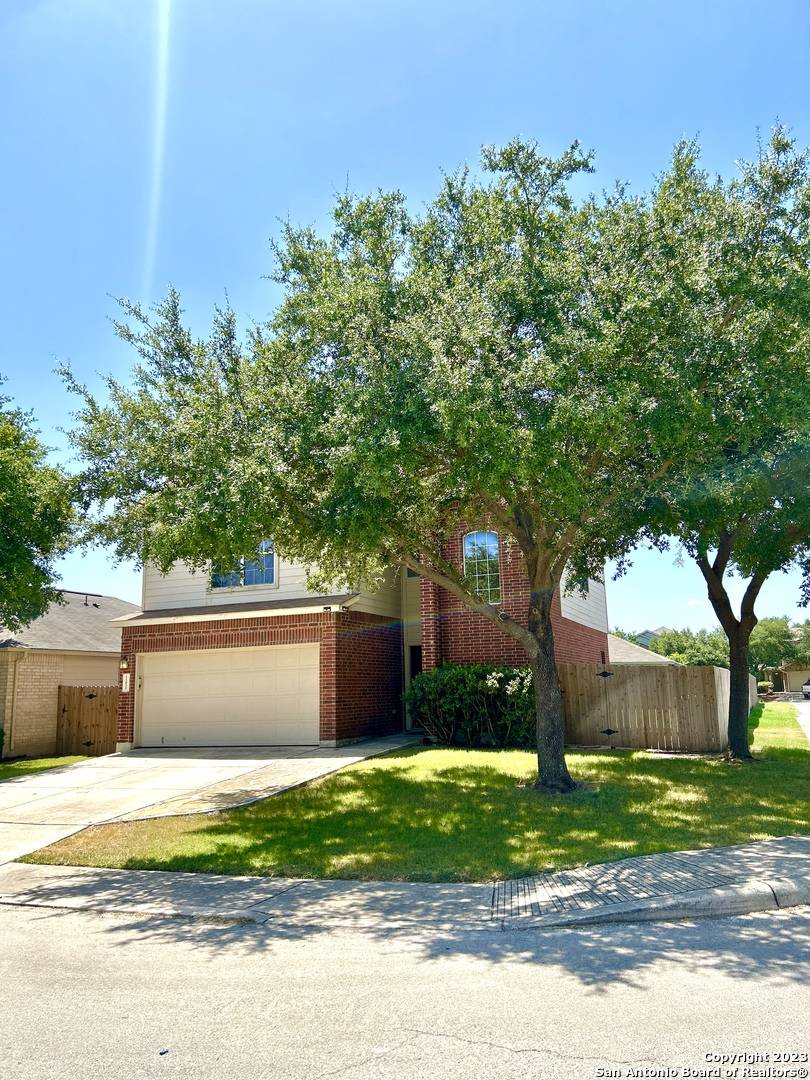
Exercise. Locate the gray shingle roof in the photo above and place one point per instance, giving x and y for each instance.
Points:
(213, 610)
(81, 623)
(625, 652)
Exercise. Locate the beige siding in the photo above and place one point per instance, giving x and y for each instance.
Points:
(81, 669)
(387, 600)
(590, 610)
(795, 677)
(182, 588)
(411, 611)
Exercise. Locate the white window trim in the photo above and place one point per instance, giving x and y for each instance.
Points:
(224, 590)
(490, 532)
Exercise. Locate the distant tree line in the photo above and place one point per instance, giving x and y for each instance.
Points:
(774, 641)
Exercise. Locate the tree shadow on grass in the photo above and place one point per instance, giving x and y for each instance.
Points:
(468, 820)
(465, 819)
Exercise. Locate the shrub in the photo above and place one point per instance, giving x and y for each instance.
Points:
(764, 687)
(475, 705)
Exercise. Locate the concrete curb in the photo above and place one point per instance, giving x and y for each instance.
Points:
(704, 884)
(741, 898)
(725, 901)
(186, 914)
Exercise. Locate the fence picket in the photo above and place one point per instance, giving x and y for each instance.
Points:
(86, 720)
(651, 706)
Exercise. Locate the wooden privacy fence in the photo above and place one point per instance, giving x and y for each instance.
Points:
(650, 706)
(86, 719)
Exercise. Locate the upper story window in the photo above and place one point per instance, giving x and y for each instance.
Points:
(482, 565)
(260, 570)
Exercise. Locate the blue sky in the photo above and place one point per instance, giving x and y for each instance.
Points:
(148, 143)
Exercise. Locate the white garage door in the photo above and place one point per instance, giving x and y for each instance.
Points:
(230, 697)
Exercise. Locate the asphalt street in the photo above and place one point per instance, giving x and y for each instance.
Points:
(89, 995)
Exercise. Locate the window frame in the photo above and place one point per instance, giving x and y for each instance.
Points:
(240, 586)
(473, 580)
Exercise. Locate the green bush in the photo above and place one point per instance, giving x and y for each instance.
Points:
(475, 705)
(764, 687)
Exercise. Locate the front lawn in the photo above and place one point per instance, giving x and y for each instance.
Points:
(13, 770)
(472, 815)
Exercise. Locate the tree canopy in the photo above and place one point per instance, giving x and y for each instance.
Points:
(773, 641)
(508, 356)
(35, 520)
(693, 646)
(743, 508)
(801, 641)
(502, 357)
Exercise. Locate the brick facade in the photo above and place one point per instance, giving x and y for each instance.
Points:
(31, 703)
(451, 633)
(29, 694)
(360, 663)
(361, 655)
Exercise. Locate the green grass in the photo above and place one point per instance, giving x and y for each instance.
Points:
(13, 770)
(472, 815)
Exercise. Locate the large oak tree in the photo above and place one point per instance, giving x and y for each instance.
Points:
(507, 356)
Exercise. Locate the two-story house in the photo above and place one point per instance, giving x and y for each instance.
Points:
(252, 658)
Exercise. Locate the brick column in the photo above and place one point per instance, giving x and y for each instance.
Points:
(429, 612)
(329, 682)
(126, 701)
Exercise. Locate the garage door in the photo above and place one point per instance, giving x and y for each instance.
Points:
(230, 697)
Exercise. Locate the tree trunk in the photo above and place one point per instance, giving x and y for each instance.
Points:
(738, 700)
(738, 632)
(553, 775)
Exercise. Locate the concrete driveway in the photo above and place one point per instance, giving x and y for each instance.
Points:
(39, 810)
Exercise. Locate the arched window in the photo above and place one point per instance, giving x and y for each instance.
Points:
(482, 565)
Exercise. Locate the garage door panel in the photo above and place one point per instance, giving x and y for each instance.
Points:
(229, 697)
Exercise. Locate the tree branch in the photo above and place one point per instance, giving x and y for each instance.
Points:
(748, 619)
(723, 553)
(452, 584)
(718, 596)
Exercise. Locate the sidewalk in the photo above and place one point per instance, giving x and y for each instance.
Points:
(715, 882)
(803, 715)
(676, 885)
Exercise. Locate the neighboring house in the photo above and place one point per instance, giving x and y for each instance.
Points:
(646, 637)
(793, 676)
(72, 644)
(625, 652)
(252, 657)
